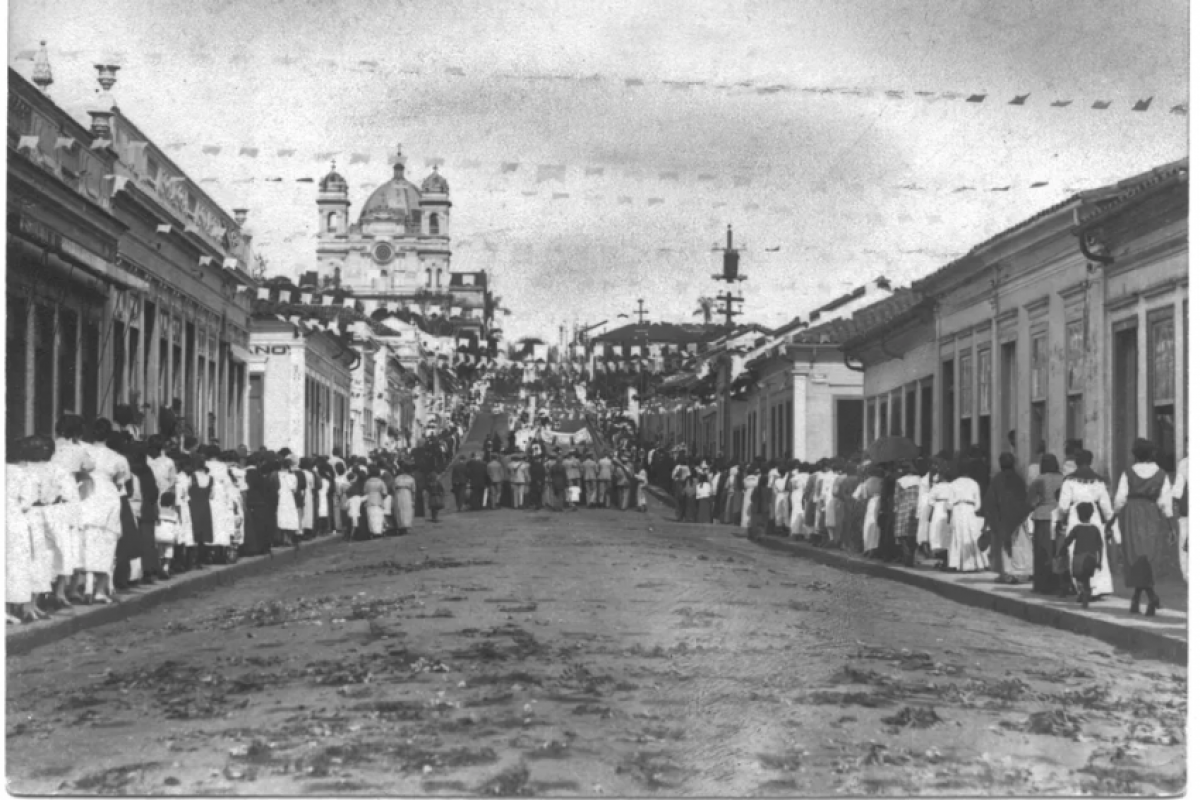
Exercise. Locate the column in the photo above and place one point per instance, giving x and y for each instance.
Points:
(169, 321)
(30, 313)
(918, 425)
(1181, 424)
(55, 346)
(800, 416)
(999, 435)
(139, 352)
(904, 431)
(224, 412)
(1143, 376)
(879, 415)
(1024, 383)
(193, 405)
(958, 389)
(153, 379)
(107, 348)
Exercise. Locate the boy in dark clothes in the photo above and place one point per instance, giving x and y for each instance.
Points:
(1089, 550)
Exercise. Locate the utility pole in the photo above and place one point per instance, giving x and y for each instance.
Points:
(729, 275)
(641, 311)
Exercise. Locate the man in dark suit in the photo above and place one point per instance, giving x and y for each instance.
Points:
(458, 481)
(477, 479)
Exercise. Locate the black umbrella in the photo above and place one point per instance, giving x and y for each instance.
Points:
(892, 448)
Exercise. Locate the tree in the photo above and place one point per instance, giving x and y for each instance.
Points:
(705, 308)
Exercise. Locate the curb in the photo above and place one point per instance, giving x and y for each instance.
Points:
(22, 640)
(1137, 640)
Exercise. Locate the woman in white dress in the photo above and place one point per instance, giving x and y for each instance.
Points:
(185, 537)
(923, 509)
(965, 527)
(221, 502)
(287, 516)
(20, 495)
(308, 512)
(102, 511)
(1084, 485)
(797, 481)
(749, 485)
(72, 457)
(941, 498)
(782, 501)
(870, 491)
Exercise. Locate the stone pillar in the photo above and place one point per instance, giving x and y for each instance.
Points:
(1024, 377)
(1143, 373)
(1181, 376)
(799, 416)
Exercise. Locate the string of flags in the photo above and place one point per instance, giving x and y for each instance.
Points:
(386, 68)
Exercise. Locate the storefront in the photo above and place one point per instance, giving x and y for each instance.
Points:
(300, 384)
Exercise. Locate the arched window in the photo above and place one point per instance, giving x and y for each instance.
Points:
(331, 222)
(429, 277)
(438, 285)
(434, 226)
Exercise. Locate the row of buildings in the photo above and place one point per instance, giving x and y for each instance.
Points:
(1069, 328)
(130, 291)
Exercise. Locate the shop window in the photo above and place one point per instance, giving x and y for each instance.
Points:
(16, 385)
(966, 407)
(68, 328)
(43, 369)
(1161, 361)
(984, 371)
(926, 417)
(1039, 367)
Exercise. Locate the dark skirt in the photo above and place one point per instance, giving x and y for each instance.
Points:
(149, 547)
(1145, 544)
(689, 508)
(129, 546)
(1045, 547)
(260, 527)
(704, 510)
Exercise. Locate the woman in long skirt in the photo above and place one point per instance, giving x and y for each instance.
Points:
(145, 492)
(733, 503)
(376, 492)
(403, 499)
(1084, 485)
(1043, 499)
(287, 515)
(749, 487)
(941, 500)
(781, 501)
(797, 483)
(1143, 505)
(20, 496)
(200, 497)
(965, 527)
(869, 493)
(1005, 511)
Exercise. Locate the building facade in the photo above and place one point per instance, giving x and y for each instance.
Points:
(300, 384)
(129, 301)
(1031, 341)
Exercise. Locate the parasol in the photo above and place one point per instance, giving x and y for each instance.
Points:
(892, 448)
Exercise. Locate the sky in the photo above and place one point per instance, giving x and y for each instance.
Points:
(835, 136)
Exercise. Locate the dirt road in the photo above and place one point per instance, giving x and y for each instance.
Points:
(595, 652)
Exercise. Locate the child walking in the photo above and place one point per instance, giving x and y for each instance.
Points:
(1089, 551)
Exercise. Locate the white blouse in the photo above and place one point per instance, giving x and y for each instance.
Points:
(1144, 471)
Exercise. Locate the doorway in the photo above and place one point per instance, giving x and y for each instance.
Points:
(849, 426)
(256, 412)
(1125, 381)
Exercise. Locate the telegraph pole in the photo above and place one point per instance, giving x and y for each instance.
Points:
(641, 311)
(730, 277)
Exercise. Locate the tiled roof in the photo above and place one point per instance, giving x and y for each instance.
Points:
(662, 333)
(1131, 188)
(840, 331)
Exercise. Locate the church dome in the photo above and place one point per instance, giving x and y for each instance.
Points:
(393, 200)
(333, 182)
(435, 184)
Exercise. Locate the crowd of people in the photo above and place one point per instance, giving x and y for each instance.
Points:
(98, 510)
(1059, 530)
(536, 479)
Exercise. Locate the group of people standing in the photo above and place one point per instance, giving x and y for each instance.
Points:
(98, 510)
(954, 510)
(533, 479)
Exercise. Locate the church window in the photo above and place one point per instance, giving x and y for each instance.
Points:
(414, 222)
(438, 285)
(331, 222)
(429, 277)
(434, 225)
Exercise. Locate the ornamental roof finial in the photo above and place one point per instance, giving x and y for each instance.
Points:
(42, 76)
(398, 163)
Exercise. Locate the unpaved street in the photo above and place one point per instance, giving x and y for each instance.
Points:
(584, 653)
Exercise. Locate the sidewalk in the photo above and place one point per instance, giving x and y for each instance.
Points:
(1163, 636)
(20, 639)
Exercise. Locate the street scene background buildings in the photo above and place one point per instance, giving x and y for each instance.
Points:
(679, 236)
